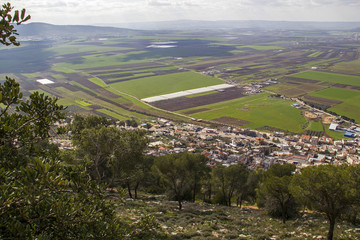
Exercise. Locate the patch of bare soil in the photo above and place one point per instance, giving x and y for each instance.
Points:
(231, 121)
(310, 115)
(327, 120)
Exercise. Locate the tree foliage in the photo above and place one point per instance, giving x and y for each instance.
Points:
(41, 197)
(229, 181)
(274, 192)
(180, 173)
(7, 20)
(328, 189)
(112, 156)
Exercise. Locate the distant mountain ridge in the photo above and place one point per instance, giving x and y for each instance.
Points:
(45, 29)
(237, 24)
(50, 31)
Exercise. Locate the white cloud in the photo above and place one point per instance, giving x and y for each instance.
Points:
(101, 11)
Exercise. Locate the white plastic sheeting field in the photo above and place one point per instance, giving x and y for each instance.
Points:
(186, 93)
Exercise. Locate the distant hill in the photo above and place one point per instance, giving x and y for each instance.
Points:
(237, 24)
(46, 30)
(50, 31)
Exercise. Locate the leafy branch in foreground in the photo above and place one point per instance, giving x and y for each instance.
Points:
(7, 21)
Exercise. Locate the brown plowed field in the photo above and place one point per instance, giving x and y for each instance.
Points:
(106, 93)
(70, 87)
(85, 82)
(301, 80)
(351, 87)
(231, 121)
(30, 85)
(94, 107)
(184, 102)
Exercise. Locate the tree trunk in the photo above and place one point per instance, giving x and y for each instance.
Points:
(283, 214)
(210, 193)
(178, 198)
(331, 229)
(194, 192)
(136, 188)
(129, 189)
(180, 204)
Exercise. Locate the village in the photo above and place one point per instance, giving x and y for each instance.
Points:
(229, 145)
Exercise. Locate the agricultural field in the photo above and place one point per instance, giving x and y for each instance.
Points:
(106, 73)
(164, 84)
(329, 77)
(295, 87)
(348, 101)
(348, 67)
(200, 100)
(256, 111)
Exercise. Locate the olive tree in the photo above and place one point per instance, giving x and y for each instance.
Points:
(274, 193)
(327, 188)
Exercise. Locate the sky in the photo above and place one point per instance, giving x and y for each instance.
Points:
(87, 12)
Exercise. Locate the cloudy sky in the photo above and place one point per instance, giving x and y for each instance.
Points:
(120, 11)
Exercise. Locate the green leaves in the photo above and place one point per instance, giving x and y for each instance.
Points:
(38, 200)
(330, 189)
(7, 31)
(274, 191)
(27, 125)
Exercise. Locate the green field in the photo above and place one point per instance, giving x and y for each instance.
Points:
(164, 84)
(98, 60)
(82, 103)
(42, 92)
(261, 110)
(71, 48)
(315, 54)
(351, 101)
(261, 48)
(112, 114)
(351, 67)
(330, 77)
(98, 81)
(315, 126)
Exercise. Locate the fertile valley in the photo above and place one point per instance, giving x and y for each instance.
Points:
(221, 130)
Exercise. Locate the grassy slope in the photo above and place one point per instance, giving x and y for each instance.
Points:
(206, 221)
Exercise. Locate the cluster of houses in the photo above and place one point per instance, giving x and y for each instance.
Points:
(228, 146)
(256, 87)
